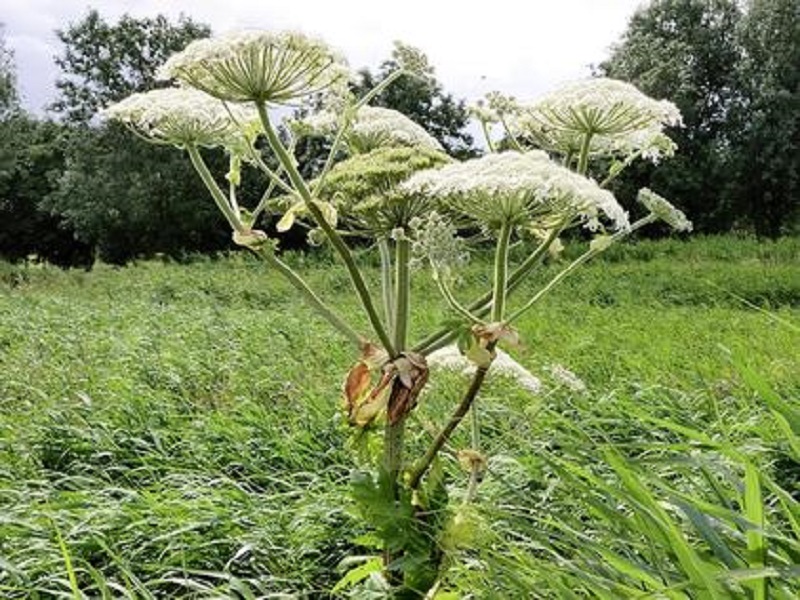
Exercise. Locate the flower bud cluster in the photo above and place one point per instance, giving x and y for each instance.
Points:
(664, 210)
(412, 60)
(435, 241)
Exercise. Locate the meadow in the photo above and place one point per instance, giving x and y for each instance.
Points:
(174, 430)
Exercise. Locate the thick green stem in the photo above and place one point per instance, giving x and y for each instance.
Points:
(583, 158)
(311, 297)
(393, 445)
(387, 285)
(393, 432)
(336, 240)
(499, 281)
(393, 450)
(219, 197)
(441, 438)
(402, 288)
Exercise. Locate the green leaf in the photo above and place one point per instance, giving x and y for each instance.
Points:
(358, 574)
(700, 573)
(756, 542)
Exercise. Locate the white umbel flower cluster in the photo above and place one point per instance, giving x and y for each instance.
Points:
(518, 188)
(185, 117)
(373, 127)
(664, 210)
(621, 120)
(260, 66)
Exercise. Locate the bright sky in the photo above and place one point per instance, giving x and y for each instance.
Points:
(519, 47)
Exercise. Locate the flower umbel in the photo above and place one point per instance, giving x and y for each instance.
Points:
(663, 209)
(621, 119)
(518, 188)
(373, 127)
(412, 60)
(185, 117)
(259, 66)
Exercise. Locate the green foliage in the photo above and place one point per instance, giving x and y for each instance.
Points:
(103, 63)
(31, 158)
(732, 70)
(128, 198)
(118, 194)
(766, 168)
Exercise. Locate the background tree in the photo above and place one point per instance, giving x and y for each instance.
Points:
(8, 79)
(766, 162)
(686, 51)
(425, 102)
(104, 62)
(120, 194)
(31, 158)
(129, 199)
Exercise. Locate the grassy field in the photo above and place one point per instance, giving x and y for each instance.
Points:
(173, 430)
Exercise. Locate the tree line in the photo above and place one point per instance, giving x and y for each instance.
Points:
(74, 189)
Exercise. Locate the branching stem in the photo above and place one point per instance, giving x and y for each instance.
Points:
(441, 438)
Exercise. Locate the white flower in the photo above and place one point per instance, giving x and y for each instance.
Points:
(517, 188)
(374, 127)
(621, 119)
(185, 117)
(503, 365)
(259, 66)
(663, 209)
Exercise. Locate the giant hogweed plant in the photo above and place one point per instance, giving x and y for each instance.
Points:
(386, 180)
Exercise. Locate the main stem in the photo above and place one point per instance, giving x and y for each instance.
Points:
(500, 283)
(394, 433)
(336, 240)
(402, 288)
(387, 286)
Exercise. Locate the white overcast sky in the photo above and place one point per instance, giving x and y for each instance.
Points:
(520, 47)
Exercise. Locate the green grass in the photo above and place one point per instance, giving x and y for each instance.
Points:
(173, 430)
